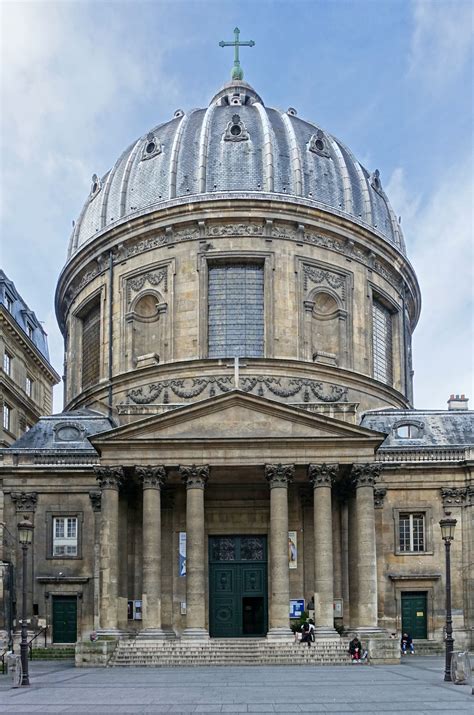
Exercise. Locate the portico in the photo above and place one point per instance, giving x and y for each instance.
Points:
(225, 481)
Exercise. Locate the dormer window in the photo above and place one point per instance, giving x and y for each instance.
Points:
(408, 431)
(8, 303)
(152, 147)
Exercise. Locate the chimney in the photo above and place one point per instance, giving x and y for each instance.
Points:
(458, 402)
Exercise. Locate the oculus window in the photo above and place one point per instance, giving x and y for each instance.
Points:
(236, 310)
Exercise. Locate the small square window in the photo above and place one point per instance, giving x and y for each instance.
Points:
(65, 536)
(7, 363)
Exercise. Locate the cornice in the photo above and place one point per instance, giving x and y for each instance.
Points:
(10, 325)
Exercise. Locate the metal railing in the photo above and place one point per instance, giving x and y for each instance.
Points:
(30, 642)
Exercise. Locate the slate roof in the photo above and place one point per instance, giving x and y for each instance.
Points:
(66, 431)
(198, 153)
(438, 428)
(22, 315)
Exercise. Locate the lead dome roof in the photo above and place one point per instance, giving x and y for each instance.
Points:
(236, 147)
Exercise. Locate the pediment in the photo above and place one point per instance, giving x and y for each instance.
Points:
(236, 416)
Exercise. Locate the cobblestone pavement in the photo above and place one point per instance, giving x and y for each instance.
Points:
(416, 686)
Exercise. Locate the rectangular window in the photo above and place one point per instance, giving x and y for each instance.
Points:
(236, 310)
(91, 346)
(29, 386)
(30, 332)
(8, 303)
(7, 363)
(7, 417)
(382, 342)
(412, 532)
(65, 536)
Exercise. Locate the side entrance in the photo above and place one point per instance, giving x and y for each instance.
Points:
(238, 598)
(64, 619)
(414, 617)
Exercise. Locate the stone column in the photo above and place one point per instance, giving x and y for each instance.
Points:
(364, 476)
(96, 496)
(322, 477)
(279, 476)
(345, 560)
(195, 479)
(110, 479)
(152, 478)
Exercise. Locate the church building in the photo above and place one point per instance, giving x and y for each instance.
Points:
(239, 440)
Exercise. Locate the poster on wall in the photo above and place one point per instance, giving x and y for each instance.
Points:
(182, 553)
(292, 550)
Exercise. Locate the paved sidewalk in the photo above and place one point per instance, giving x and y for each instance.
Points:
(416, 686)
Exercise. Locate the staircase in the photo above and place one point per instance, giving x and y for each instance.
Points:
(228, 651)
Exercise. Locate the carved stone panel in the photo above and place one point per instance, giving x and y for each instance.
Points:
(25, 501)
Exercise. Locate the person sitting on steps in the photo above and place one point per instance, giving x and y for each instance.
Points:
(407, 642)
(355, 650)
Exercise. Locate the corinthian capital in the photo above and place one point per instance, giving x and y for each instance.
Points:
(25, 501)
(322, 475)
(194, 477)
(279, 475)
(151, 477)
(365, 475)
(109, 477)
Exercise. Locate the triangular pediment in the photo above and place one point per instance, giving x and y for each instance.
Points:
(236, 416)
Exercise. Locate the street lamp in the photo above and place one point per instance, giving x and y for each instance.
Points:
(25, 534)
(447, 532)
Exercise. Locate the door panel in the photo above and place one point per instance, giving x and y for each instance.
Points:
(64, 619)
(237, 586)
(414, 615)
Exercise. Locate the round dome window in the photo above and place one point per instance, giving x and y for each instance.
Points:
(236, 130)
(150, 147)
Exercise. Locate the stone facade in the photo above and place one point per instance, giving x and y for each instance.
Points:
(285, 454)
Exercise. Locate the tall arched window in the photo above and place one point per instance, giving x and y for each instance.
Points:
(382, 342)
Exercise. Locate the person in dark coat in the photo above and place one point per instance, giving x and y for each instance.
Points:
(355, 649)
(407, 642)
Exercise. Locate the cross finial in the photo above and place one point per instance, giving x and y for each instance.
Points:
(237, 71)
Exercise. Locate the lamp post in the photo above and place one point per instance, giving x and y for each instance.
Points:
(25, 532)
(447, 532)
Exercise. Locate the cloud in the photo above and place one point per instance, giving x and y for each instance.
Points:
(441, 42)
(439, 232)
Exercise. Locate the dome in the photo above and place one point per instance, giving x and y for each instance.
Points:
(237, 148)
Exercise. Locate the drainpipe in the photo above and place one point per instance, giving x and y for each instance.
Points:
(111, 278)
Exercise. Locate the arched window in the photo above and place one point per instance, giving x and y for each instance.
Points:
(382, 342)
(408, 431)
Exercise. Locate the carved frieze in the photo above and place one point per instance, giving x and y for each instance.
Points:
(24, 501)
(96, 499)
(194, 477)
(109, 477)
(322, 475)
(153, 278)
(151, 477)
(319, 276)
(279, 475)
(454, 496)
(379, 496)
(282, 387)
(365, 475)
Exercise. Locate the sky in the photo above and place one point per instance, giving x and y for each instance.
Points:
(393, 79)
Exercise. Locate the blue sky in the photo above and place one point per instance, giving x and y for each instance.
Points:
(392, 79)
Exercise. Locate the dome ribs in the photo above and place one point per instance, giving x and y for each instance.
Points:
(346, 180)
(267, 149)
(295, 158)
(175, 155)
(126, 174)
(203, 148)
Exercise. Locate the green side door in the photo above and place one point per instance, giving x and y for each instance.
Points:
(414, 616)
(64, 619)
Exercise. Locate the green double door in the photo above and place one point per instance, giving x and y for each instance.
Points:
(414, 616)
(238, 598)
(64, 619)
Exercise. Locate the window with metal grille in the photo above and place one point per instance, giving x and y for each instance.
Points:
(236, 310)
(91, 346)
(412, 532)
(65, 536)
(382, 342)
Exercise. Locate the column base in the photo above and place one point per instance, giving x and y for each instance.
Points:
(280, 634)
(195, 634)
(156, 634)
(326, 633)
(113, 633)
